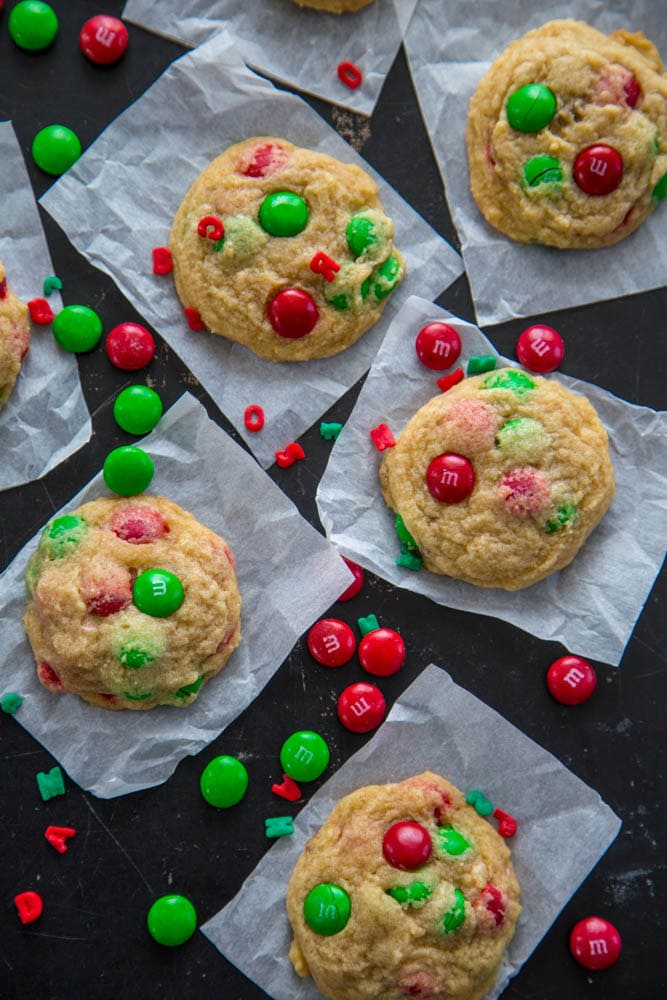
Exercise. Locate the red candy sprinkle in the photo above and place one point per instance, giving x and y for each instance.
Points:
(382, 652)
(406, 845)
(361, 707)
(293, 313)
(450, 478)
(58, 835)
(617, 85)
(253, 417)
(331, 642)
(571, 680)
(524, 492)
(421, 984)
(293, 453)
(356, 584)
(162, 262)
(263, 161)
(41, 312)
(598, 170)
(382, 437)
(493, 900)
(507, 825)
(139, 525)
(211, 228)
(29, 906)
(349, 74)
(324, 265)
(3, 289)
(194, 320)
(438, 346)
(288, 790)
(450, 380)
(595, 943)
(540, 349)
(49, 677)
(130, 346)
(103, 39)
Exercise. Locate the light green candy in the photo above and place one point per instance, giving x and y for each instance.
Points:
(62, 535)
(523, 439)
(243, 239)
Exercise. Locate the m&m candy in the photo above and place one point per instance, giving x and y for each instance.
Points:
(224, 782)
(77, 328)
(438, 346)
(103, 39)
(33, 25)
(595, 943)
(293, 313)
(531, 107)
(598, 170)
(304, 755)
(361, 707)
(407, 845)
(137, 409)
(128, 470)
(331, 642)
(55, 148)
(130, 346)
(450, 478)
(327, 908)
(382, 652)
(283, 213)
(157, 593)
(571, 680)
(356, 584)
(172, 920)
(540, 349)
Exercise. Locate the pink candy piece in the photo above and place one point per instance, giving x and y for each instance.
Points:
(382, 437)
(524, 492)
(617, 85)
(106, 594)
(263, 161)
(3, 289)
(49, 677)
(492, 900)
(139, 525)
(421, 983)
(472, 424)
(194, 320)
(595, 943)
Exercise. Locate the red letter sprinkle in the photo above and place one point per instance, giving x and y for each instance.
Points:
(195, 321)
(41, 312)
(448, 381)
(29, 905)
(292, 453)
(288, 790)
(211, 227)
(162, 260)
(350, 75)
(57, 835)
(382, 437)
(253, 418)
(324, 265)
(507, 825)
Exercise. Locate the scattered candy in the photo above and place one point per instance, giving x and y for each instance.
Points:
(211, 228)
(11, 702)
(287, 790)
(194, 320)
(50, 783)
(279, 826)
(452, 842)
(438, 346)
(324, 265)
(482, 363)
(454, 917)
(540, 349)
(172, 920)
(571, 680)
(409, 560)
(137, 409)
(304, 755)
(368, 624)
(162, 262)
(382, 437)
(450, 380)
(531, 107)
(356, 584)
(77, 329)
(479, 802)
(595, 943)
(128, 470)
(158, 593)
(598, 170)
(382, 652)
(224, 782)
(253, 417)
(29, 906)
(58, 836)
(326, 909)
(406, 845)
(330, 431)
(51, 284)
(33, 25)
(349, 74)
(361, 707)
(293, 313)
(283, 213)
(450, 478)
(103, 39)
(507, 825)
(331, 642)
(130, 346)
(293, 453)
(55, 148)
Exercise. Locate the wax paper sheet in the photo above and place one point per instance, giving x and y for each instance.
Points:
(299, 46)
(288, 575)
(46, 418)
(118, 201)
(450, 46)
(591, 606)
(435, 725)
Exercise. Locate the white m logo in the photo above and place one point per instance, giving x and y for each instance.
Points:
(449, 478)
(573, 676)
(598, 167)
(598, 946)
(331, 643)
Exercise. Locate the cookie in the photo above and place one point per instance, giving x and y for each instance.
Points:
(14, 337)
(404, 892)
(301, 259)
(103, 626)
(567, 136)
(334, 6)
(501, 479)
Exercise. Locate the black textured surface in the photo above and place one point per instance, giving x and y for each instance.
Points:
(91, 941)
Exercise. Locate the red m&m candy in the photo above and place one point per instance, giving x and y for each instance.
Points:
(407, 845)
(450, 478)
(293, 313)
(598, 170)
(103, 39)
(540, 349)
(382, 652)
(571, 680)
(331, 642)
(356, 584)
(595, 943)
(361, 707)
(130, 346)
(438, 346)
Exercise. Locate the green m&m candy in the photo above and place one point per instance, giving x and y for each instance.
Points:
(531, 108)
(542, 170)
(455, 916)
(660, 190)
(33, 25)
(224, 782)
(304, 755)
(326, 909)
(360, 234)
(55, 148)
(157, 592)
(283, 213)
(77, 328)
(137, 409)
(451, 841)
(62, 535)
(509, 378)
(172, 920)
(128, 470)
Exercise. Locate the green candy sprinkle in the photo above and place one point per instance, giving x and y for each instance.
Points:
(62, 535)
(11, 702)
(326, 909)
(531, 107)
(52, 283)
(219, 244)
(564, 516)
(368, 624)
(135, 658)
(189, 689)
(50, 783)
(33, 569)
(365, 288)
(404, 535)
(453, 918)
(509, 378)
(340, 302)
(330, 431)
(660, 190)
(278, 826)
(416, 892)
(283, 213)
(360, 234)
(409, 560)
(451, 841)
(481, 363)
(387, 277)
(542, 170)
(137, 697)
(479, 802)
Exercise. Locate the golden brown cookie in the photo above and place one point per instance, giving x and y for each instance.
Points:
(404, 892)
(14, 337)
(285, 250)
(106, 618)
(334, 6)
(567, 136)
(501, 479)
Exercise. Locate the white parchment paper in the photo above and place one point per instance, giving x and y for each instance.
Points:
(299, 46)
(46, 418)
(118, 201)
(288, 575)
(435, 725)
(449, 51)
(591, 606)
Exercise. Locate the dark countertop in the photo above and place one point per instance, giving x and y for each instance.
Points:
(91, 941)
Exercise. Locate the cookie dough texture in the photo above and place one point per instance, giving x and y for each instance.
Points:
(389, 950)
(232, 284)
(591, 76)
(88, 637)
(334, 6)
(14, 337)
(543, 478)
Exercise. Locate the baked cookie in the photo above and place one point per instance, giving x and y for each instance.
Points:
(14, 337)
(132, 604)
(404, 892)
(567, 136)
(299, 258)
(334, 6)
(501, 479)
